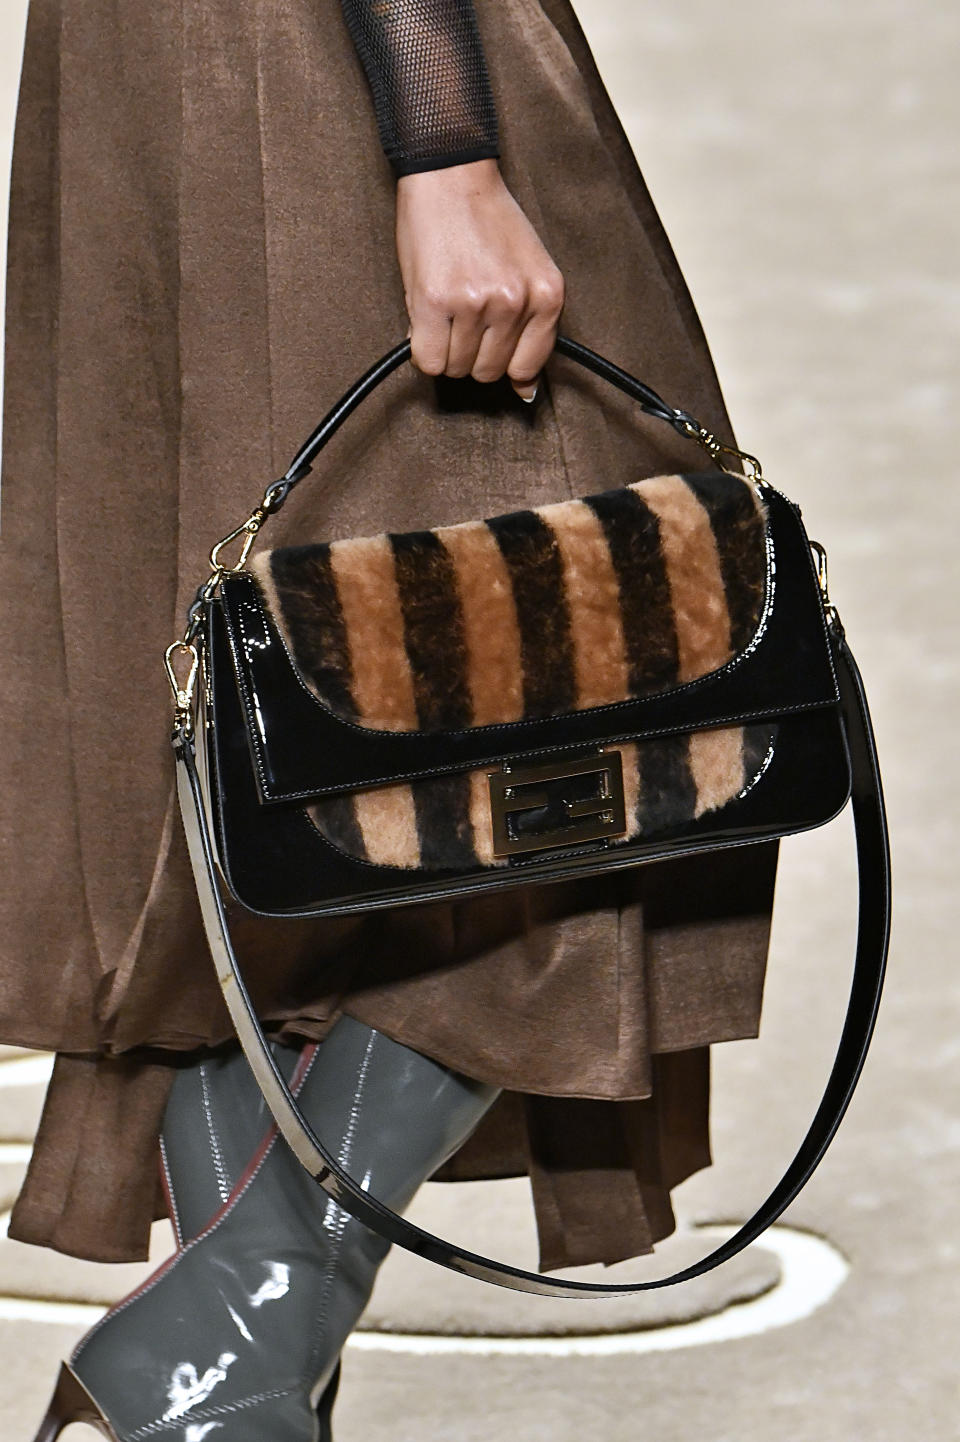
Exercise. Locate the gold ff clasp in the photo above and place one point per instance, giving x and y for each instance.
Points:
(559, 812)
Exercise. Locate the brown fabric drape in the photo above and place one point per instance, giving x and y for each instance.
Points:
(201, 258)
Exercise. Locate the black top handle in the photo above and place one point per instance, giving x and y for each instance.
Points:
(647, 398)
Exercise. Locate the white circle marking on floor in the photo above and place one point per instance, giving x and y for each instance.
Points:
(27, 1071)
(15, 1154)
(813, 1270)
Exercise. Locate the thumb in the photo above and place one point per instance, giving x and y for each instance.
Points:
(526, 390)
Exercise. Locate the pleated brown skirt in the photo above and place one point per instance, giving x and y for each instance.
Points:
(201, 258)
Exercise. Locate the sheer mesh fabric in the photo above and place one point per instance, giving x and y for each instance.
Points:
(431, 91)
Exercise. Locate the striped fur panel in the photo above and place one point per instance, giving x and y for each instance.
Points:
(535, 613)
(444, 821)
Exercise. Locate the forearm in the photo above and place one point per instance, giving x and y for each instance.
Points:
(427, 72)
(482, 293)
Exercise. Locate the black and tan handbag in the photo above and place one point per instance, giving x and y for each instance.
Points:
(644, 672)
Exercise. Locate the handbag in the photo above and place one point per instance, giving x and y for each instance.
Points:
(650, 671)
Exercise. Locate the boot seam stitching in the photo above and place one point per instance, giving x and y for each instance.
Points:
(171, 1262)
(174, 1209)
(197, 1414)
(223, 1181)
(178, 1257)
(343, 1156)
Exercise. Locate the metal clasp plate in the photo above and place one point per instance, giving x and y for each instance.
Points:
(557, 803)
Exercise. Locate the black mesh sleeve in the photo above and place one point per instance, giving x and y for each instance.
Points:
(431, 91)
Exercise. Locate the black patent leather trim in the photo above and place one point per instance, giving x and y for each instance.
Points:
(302, 750)
(275, 863)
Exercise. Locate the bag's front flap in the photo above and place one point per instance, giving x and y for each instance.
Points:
(674, 603)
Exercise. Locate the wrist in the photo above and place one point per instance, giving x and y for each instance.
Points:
(469, 177)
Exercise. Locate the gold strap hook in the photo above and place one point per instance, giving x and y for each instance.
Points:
(752, 470)
(248, 531)
(182, 691)
(820, 557)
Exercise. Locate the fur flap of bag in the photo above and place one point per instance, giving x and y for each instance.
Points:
(576, 604)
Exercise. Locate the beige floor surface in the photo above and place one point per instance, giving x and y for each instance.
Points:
(804, 161)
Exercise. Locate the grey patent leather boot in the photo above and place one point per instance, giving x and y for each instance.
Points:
(215, 1120)
(236, 1337)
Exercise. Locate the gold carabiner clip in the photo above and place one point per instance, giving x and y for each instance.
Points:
(752, 470)
(182, 693)
(820, 556)
(248, 531)
(751, 466)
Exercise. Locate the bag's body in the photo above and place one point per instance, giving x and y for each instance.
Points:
(586, 685)
(644, 718)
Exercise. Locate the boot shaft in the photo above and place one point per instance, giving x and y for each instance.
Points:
(239, 1333)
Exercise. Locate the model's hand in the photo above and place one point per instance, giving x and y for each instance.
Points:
(483, 296)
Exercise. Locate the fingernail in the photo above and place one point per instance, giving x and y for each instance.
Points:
(531, 397)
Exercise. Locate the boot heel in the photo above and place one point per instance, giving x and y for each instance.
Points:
(71, 1402)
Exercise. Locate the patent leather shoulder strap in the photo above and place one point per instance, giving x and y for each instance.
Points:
(873, 859)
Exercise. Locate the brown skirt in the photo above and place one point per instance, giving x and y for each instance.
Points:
(201, 258)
